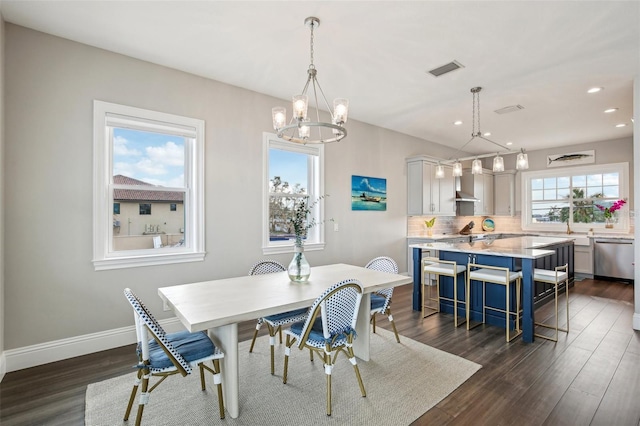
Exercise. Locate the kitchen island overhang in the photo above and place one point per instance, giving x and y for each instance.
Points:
(518, 253)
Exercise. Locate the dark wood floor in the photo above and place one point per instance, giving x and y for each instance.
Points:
(591, 376)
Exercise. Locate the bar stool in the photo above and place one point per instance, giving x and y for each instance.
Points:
(447, 268)
(495, 275)
(555, 277)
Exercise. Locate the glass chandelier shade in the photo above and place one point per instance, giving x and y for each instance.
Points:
(476, 167)
(457, 169)
(522, 161)
(439, 171)
(302, 128)
(498, 163)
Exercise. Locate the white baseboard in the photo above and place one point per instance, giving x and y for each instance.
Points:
(44, 353)
(3, 366)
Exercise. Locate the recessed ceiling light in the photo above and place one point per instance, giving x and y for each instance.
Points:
(487, 134)
(509, 143)
(594, 90)
(607, 111)
(457, 123)
(621, 125)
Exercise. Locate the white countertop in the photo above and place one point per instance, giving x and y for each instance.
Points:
(519, 247)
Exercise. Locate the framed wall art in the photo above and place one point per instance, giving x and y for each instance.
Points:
(368, 193)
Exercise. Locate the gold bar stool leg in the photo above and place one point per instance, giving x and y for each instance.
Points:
(554, 278)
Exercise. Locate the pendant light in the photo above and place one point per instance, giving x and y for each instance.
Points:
(522, 160)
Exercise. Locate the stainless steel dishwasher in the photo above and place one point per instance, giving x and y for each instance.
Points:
(613, 258)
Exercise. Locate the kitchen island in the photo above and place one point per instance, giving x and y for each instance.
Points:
(518, 254)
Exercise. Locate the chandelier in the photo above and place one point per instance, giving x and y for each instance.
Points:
(522, 162)
(300, 126)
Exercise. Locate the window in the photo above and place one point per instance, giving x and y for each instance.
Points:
(553, 197)
(291, 172)
(144, 158)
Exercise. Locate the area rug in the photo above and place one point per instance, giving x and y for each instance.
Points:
(402, 381)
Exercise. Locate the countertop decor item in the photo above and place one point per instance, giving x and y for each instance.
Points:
(488, 225)
(609, 212)
(467, 228)
(430, 224)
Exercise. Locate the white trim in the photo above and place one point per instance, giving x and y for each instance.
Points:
(3, 366)
(106, 115)
(44, 353)
(621, 227)
(270, 140)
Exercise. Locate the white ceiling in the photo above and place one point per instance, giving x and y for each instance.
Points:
(543, 55)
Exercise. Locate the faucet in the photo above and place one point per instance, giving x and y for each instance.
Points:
(569, 231)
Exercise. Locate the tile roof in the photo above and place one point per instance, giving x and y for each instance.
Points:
(141, 194)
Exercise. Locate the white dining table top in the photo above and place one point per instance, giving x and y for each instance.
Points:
(208, 304)
(530, 247)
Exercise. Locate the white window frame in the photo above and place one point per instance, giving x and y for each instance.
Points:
(315, 239)
(623, 215)
(108, 115)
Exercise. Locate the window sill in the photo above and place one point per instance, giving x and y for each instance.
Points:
(149, 260)
(280, 249)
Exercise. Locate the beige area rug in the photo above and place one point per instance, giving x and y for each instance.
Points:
(402, 381)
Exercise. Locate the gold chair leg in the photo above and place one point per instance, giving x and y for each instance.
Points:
(145, 387)
(326, 360)
(373, 320)
(286, 359)
(202, 383)
(133, 395)
(216, 367)
(272, 338)
(255, 335)
(393, 324)
(357, 371)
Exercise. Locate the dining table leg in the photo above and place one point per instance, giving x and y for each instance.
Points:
(363, 337)
(227, 337)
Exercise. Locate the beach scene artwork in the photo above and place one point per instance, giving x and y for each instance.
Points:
(368, 193)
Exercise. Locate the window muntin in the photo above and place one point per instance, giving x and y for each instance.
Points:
(551, 197)
(145, 160)
(291, 172)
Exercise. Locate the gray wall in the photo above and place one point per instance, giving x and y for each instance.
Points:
(51, 289)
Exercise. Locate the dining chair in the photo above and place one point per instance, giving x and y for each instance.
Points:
(381, 299)
(165, 355)
(329, 329)
(276, 321)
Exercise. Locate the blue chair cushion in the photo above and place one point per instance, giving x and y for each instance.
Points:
(316, 336)
(377, 301)
(192, 347)
(284, 316)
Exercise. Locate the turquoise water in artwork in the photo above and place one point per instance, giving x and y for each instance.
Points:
(368, 193)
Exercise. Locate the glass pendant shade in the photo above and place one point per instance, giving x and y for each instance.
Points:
(340, 110)
(498, 164)
(279, 115)
(439, 171)
(522, 161)
(303, 131)
(457, 168)
(476, 167)
(300, 105)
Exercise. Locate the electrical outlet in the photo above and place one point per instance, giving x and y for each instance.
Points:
(336, 228)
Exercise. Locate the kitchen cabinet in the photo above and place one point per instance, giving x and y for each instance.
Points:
(427, 195)
(481, 186)
(504, 193)
(583, 257)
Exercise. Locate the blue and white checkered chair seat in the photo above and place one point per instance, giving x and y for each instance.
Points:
(381, 299)
(276, 321)
(329, 329)
(165, 354)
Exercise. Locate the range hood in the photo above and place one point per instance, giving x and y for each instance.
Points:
(463, 196)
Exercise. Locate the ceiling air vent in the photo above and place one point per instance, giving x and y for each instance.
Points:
(447, 68)
(508, 109)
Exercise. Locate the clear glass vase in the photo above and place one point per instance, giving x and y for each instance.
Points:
(608, 222)
(299, 269)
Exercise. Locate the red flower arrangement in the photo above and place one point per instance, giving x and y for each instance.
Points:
(608, 211)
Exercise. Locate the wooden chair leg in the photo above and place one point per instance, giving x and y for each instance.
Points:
(216, 367)
(134, 391)
(393, 325)
(144, 397)
(255, 335)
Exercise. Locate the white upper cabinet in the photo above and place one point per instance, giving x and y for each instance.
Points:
(504, 194)
(481, 187)
(426, 194)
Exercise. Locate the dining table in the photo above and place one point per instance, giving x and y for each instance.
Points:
(219, 305)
